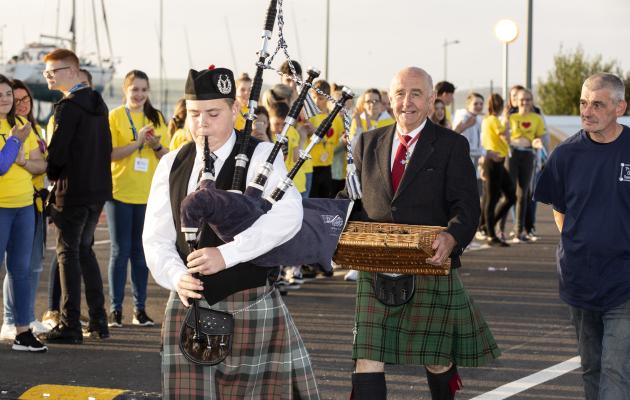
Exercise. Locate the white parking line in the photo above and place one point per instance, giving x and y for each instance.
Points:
(523, 384)
(95, 244)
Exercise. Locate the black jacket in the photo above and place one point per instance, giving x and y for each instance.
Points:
(81, 147)
(439, 186)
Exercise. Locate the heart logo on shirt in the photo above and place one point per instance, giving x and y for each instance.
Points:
(527, 124)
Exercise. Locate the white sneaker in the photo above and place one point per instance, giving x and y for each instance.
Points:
(39, 328)
(7, 332)
(351, 275)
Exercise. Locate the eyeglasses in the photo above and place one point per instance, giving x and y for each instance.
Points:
(52, 72)
(372, 102)
(23, 100)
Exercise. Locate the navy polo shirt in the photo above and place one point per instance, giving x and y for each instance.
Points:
(589, 183)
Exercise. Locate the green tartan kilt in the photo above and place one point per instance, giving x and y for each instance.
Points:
(268, 358)
(439, 325)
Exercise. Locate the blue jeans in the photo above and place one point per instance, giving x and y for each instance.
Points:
(604, 346)
(35, 270)
(17, 227)
(126, 222)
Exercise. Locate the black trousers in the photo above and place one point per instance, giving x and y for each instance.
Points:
(521, 169)
(322, 183)
(75, 237)
(498, 182)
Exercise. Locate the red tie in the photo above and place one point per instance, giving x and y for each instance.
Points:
(399, 162)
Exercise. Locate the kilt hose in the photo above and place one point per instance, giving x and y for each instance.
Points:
(268, 358)
(439, 325)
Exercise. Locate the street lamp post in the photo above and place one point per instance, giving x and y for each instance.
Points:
(446, 44)
(507, 32)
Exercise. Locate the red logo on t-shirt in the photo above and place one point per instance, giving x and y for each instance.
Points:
(330, 132)
(527, 124)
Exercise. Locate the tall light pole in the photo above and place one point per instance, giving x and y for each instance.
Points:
(507, 32)
(327, 50)
(528, 45)
(446, 44)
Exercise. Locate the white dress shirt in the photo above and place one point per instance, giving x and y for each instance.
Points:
(396, 141)
(272, 229)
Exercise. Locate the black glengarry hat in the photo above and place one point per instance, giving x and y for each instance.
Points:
(210, 84)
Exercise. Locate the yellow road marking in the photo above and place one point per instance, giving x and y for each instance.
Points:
(63, 392)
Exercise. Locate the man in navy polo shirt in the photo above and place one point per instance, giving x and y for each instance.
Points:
(587, 181)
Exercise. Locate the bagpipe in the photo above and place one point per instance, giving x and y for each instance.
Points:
(230, 212)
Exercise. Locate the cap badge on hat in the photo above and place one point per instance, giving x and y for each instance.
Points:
(224, 85)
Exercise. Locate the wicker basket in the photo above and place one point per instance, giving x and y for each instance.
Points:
(389, 248)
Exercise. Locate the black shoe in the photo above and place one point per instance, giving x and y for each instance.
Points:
(25, 341)
(63, 334)
(115, 319)
(496, 242)
(97, 329)
(141, 318)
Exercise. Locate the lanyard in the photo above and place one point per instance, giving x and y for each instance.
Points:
(133, 127)
(4, 137)
(407, 145)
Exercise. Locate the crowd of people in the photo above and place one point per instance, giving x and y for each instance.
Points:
(110, 160)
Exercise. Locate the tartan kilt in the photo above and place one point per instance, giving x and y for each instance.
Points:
(439, 325)
(268, 358)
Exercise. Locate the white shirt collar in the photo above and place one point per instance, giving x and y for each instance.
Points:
(414, 132)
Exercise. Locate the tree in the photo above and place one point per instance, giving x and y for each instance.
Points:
(560, 93)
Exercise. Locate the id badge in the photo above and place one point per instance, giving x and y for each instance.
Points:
(323, 157)
(141, 164)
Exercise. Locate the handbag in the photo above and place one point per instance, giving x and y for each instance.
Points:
(213, 343)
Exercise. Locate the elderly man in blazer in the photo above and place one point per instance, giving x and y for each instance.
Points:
(416, 172)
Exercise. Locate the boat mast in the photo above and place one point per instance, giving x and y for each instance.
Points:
(98, 44)
(73, 41)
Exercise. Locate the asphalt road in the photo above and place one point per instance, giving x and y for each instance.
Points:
(519, 299)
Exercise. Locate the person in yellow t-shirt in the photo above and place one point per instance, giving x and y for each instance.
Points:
(24, 110)
(322, 153)
(243, 90)
(277, 114)
(340, 159)
(526, 130)
(139, 139)
(497, 180)
(17, 217)
(177, 126)
(373, 116)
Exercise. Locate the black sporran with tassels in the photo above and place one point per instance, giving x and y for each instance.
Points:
(213, 343)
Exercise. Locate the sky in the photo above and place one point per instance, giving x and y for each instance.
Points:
(369, 40)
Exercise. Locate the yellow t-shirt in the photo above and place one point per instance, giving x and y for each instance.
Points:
(131, 176)
(239, 124)
(307, 167)
(375, 124)
(50, 129)
(447, 114)
(179, 139)
(293, 142)
(492, 135)
(529, 126)
(16, 186)
(322, 153)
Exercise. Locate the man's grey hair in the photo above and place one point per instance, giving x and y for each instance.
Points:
(604, 80)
